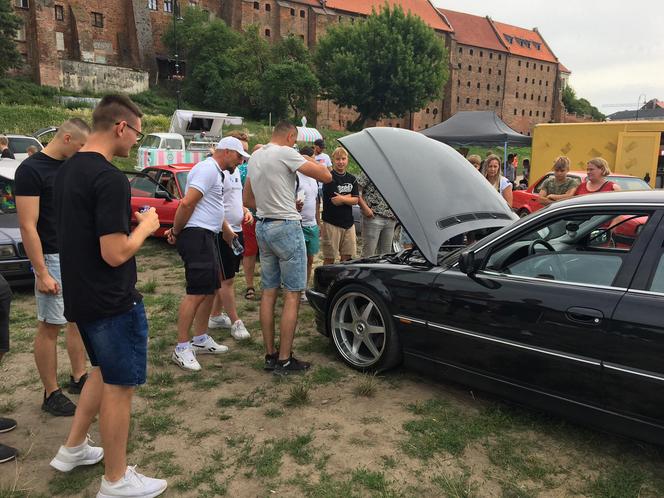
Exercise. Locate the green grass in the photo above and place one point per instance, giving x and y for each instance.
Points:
(298, 395)
(455, 486)
(159, 423)
(618, 482)
(73, 483)
(366, 387)
(514, 456)
(266, 462)
(148, 287)
(325, 375)
(274, 413)
(7, 406)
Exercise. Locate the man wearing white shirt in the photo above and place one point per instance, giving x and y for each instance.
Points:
(308, 194)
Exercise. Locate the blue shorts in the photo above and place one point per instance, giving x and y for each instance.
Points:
(118, 345)
(283, 254)
(311, 239)
(51, 307)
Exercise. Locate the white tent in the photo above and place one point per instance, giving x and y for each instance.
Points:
(190, 123)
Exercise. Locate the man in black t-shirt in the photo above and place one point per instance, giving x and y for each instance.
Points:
(93, 210)
(36, 215)
(339, 196)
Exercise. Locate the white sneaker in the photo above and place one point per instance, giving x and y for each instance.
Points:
(303, 298)
(222, 321)
(208, 347)
(186, 359)
(67, 460)
(239, 331)
(132, 484)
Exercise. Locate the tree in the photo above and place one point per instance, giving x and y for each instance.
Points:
(387, 65)
(9, 24)
(580, 106)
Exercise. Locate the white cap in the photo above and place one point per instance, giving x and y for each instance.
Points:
(232, 143)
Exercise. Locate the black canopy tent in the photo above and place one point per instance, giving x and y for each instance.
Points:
(476, 128)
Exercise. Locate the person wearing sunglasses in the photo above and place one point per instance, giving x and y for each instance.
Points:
(559, 186)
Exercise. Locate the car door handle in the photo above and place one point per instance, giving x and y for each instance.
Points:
(584, 315)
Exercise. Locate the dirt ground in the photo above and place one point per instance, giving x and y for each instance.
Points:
(233, 429)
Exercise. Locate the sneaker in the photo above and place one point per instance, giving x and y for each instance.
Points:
(68, 459)
(77, 387)
(186, 360)
(271, 360)
(7, 453)
(222, 321)
(132, 484)
(303, 298)
(58, 404)
(239, 331)
(291, 366)
(208, 347)
(7, 424)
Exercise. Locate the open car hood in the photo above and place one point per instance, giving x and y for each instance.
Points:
(433, 190)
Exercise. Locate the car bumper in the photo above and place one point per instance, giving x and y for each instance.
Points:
(318, 301)
(17, 272)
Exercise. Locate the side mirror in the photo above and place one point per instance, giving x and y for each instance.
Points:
(163, 194)
(467, 262)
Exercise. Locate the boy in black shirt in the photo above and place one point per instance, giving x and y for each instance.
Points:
(339, 196)
(97, 249)
(36, 215)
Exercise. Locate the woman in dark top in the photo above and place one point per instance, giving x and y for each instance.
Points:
(597, 170)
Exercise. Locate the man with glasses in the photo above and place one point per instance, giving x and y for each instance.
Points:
(97, 248)
(199, 218)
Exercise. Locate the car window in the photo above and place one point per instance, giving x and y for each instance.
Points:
(657, 284)
(19, 145)
(182, 179)
(152, 173)
(629, 183)
(167, 181)
(7, 199)
(538, 187)
(171, 143)
(151, 142)
(582, 248)
(142, 186)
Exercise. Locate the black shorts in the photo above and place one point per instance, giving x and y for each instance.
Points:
(230, 263)
(5, 300)
(198, 249)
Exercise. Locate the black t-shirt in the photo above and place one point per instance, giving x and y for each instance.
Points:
(92, 199)
(7, 154)
(341, 216)
(35, 178)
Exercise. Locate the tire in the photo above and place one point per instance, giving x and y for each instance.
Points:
(367, 340)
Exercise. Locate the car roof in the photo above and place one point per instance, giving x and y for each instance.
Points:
(9, 135)
(166, 135)
(625, 197)
(178, 167)
(583, 174)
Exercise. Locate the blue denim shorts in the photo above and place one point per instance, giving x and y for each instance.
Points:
(118, 345)
(283, 254)
(51, 307)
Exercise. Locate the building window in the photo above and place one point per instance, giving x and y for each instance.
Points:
(500, 57)
(541, 67)
(547, 83)
(497, 103)
(519, 63)
(488, 86)
(517, 95)
(59, 13)
(98, 19)
(530, 113)
(257, 6)
(490, 55)
(460, 50)
(518, 78)
(20, 34)
(539, 98)
(267, 32)
(471, 51)
(498, 88)
(548, 68)
(487, 103)
(481, 54)
(168, 5)
(468, 84)
(525, 80)
(268, 7)
(292, 12)
(540, 82)
(459, 65)
(525, 96)
(500, 71)
(427, 110)
(515, 112)
(537, 113)
(523, 112)
(532, 97)
(435, 111)
(302, 14)
(458, 99)
(470, 68)
(478, 85)
(489, 70)
(467, 101)
(22, 4)
(458, 82)
(527, 64)
(545, 98)
(543, 114)
(479, 69)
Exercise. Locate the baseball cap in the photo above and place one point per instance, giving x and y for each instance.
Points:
(320, 143)
(232, 143)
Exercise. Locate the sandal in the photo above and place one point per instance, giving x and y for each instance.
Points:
(250, 294)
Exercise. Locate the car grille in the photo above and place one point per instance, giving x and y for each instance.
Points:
(461, 218)
(21, 250)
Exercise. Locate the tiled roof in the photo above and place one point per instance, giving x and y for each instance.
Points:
(421, 8)
(524, 42)
(473, 30)
(563, 69)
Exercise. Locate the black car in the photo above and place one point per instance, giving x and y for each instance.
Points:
(14, 263)
(561, 310)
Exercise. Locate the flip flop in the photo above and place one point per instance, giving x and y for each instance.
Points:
(250, 294)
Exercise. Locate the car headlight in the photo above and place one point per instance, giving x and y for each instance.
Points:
(7, 251)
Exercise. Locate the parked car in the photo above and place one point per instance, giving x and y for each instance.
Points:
(545, 311)
(160, 187)
(14, 263)
(19, 144)
(525, 202)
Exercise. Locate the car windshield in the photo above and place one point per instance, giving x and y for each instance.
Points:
(151, 142)
(20, 145)
(7, 199)
(630, 183)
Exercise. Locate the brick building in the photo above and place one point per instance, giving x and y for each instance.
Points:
(113, 45)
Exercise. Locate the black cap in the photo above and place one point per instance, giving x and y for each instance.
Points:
(319, 143)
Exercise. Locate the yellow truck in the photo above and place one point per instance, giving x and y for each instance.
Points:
(631, 147)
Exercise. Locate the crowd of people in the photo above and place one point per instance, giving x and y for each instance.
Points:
(277, 203)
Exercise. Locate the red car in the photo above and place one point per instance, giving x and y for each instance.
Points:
(160, 187)
(525, 202)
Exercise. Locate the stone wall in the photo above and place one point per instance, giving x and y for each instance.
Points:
(101, 78)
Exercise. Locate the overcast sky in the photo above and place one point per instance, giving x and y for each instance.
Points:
(614, 48)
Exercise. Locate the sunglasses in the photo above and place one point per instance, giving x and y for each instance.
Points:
(139, 135)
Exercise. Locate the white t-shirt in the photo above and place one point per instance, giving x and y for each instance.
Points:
(233, 199)
(323, 159)
(309, 187)
(504, 183)
(271, 170)
(206, 177)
